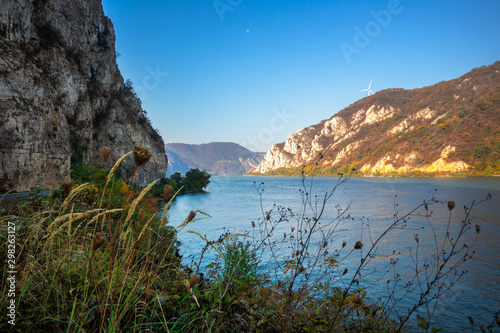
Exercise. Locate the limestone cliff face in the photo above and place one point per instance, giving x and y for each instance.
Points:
(450, 127)
(62, 97)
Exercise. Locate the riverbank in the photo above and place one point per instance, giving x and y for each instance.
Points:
(335, 172)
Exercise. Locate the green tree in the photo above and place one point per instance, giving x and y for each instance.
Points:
(197, 180)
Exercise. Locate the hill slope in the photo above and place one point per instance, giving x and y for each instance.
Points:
(218, 158)
(449, 127)
(62, 95)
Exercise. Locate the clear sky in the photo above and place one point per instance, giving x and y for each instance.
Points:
(255, 71)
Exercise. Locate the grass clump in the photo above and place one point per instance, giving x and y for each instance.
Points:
(87, 256)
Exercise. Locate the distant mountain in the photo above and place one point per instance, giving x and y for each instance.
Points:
(218, 158)
(450, 127)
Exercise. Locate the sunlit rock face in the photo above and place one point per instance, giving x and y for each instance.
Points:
(309, 144)
(305, 146)
(449, 127)
(62, 97)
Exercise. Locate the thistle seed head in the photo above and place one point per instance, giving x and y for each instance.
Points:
(191, 216)
(358, 245)
(167, 191)
(67, 185)
(478, 228)
(99, 239)
(195, 279)
(416, 238)
(148, 293)
(253, 224)
(451, 205)
(141, 155)
(106, 152)
(344, 243)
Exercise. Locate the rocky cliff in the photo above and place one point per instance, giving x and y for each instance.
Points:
(450, 127)
(218, 158)
(62, 97)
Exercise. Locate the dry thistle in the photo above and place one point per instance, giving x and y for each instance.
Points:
(344, 243)
(470, 318)
(148, 293)
(451, 205)
(358, 245)
(99, 239)
(325, 244)
(141, 213)
(67, 185)
(345, 271)
(195, 279)
(19, 270)
(191, 216)
(253, 224)
(416, 238)
(268, 216)
(106, 151)
(141, 155)
(478, 228)
(167, 191)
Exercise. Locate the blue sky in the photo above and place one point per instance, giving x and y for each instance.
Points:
(255, 71)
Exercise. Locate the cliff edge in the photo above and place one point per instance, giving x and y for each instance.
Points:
(62, 97)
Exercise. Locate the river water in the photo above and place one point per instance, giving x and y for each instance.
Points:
(233, 202)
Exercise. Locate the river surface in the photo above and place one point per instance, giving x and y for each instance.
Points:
(233, 202)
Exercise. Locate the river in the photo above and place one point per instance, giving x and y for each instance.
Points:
(233, 203)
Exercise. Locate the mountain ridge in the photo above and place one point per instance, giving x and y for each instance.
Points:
(447, 128)
(218, 158)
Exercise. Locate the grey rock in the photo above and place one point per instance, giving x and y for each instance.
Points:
(62, 96)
